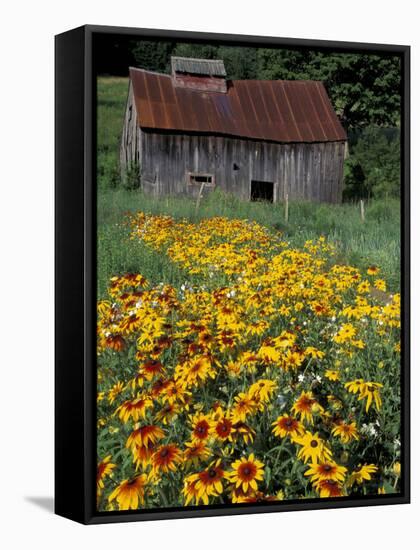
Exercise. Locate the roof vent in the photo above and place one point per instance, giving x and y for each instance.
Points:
(205, 75)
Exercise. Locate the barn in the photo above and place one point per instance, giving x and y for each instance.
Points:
(193, 130)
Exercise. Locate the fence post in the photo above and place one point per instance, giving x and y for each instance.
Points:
(362, 210)
(197, 204)
(286, 208)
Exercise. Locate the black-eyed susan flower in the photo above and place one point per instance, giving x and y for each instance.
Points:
(333, 375)
(362, 473)
(115, 391)
(246, 472)
(166, 458)
(346, 431)
(262, 390)
(208, 482)
(158, 387)
(287, 425)
(142, 456)
(306, 406)
(326, 470)
(194, 372)
(246, 432)
(373, 270)
(315, 353)
(196, 452)
(244, 405)
(145, 436)
(380, 284)
(329, 488)
(134, 408)
(190, 490)
(115, 342)
(175, 393)
(355, 386)
(151, 369)
(313, 448)
(130, 493)
(257, 496)
(237, 494)
(105, 468)
(167, 413)
(269, 354)
(371, 392)
(345, 333)
(201, 425)
(222, 426)
(363, 287)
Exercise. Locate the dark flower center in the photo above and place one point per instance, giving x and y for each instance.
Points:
(164, 452)
(327, 468)
(212, 473)
(314, 443)
(246, 471)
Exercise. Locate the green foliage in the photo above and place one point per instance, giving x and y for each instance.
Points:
(132, 178)
(201, 51)
(365, 89)
(373, 167)
(152, 55)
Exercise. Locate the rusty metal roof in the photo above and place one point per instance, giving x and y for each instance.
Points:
(191, 65)
(273, 110)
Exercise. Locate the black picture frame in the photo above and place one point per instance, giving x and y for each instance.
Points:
(75, 277)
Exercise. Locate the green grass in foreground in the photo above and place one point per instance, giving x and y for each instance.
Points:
(374, 242)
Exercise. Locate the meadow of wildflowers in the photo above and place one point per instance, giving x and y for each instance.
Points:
(270, 373)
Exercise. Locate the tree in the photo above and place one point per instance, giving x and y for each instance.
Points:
(365, 89)
(373, 168)
(152, 55)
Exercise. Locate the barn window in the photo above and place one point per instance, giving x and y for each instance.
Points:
(200, 179)
(262, 190)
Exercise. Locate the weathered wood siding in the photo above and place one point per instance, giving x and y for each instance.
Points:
(130, 144)
(311, 171)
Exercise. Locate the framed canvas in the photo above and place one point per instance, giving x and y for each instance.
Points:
(232, 274)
